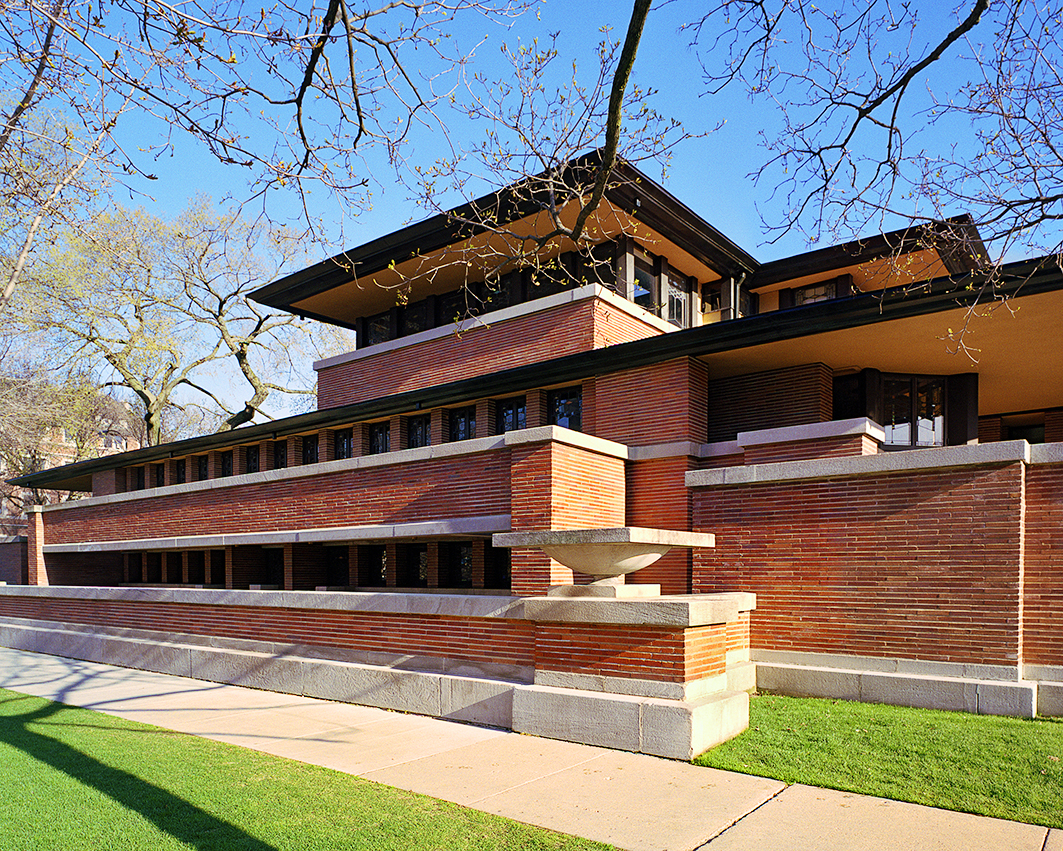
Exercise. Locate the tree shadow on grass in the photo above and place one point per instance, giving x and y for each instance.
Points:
(169, 813)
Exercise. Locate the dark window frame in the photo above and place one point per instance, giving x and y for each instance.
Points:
(254, 459)
(519, 418)
(569, 396)
(461, 423)
(419, 431)
(379, 438)
(343, 444)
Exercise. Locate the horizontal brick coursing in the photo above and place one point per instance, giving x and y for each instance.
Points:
(783, 397)
(657, 497)
(567, 329)
(654, 404)
(1043, 575)
(916, 565)
(463, 486)
(648, 653)
(807, 450)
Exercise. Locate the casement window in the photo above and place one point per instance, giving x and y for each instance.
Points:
(310, 449)
(915, 411)
(226, 461)
(838, 287)
(511, 414)
(678, 308)
(455, 564)
(644, 287)
(139, 479)
(280, 454)
(254, 459)
(202, 470)
(419, 431)
(379, 438)
(462, 423)
(160, 475)
(344, 443)
(180, 471)
(565, 407)
(373, 565)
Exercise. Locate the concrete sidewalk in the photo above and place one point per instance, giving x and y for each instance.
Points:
(629, 800)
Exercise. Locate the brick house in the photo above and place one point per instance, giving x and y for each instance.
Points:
(894, 507)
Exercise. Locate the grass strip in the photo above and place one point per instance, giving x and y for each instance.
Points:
(75, 779)
(1010, 768)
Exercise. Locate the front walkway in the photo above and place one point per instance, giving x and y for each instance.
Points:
(633, 801)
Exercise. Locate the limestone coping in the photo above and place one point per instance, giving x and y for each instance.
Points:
(1004, 452)
(609, 535)
(678, 611)
(447, 527)
(559, 434)
(813, 431)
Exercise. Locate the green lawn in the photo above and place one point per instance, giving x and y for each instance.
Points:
(1004, 767)
(73, 779)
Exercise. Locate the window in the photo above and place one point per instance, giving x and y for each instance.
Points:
(377, 328)
(373, 565)
(310, 449)
(678, 301)
(455, 564)
(415, 318)
(463, 423)
(344, 443)
(180, 471)
(280, 454)
(201, 468)
(138, 478)
(225, 461)
(566, 407)
(413, 566)
(512, 414)
(813, 293)
(419, 431)
(644, 292)
(160, 475)
(254, 459)
(379, 438)
(913, 410)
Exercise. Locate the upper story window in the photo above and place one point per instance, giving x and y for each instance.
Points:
(913, 409)
(678, 301)
(225, 461)
(138, 479)
(159, 472)
(644, 288)
(565, 407)
(378, 328)
(254, 458)
(511, 414)
(419, 431)
(379, 438)
(415, 317)
(310, 449)
(463, 423)
(202, 473)
(280, 454)
(815, 292)
(180, 471)
(344, 443)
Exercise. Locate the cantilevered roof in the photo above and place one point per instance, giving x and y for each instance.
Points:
(632, 197)
(900, 329)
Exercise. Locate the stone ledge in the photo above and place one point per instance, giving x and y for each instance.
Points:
(480, 526)
(812, 431)
(985, 697)
(889, 665)
(913, 461)
(685, 611)
(448, 605)
(558, 434)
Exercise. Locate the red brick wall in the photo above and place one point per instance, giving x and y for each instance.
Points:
(461, 486)
(654, 404)
(643, 652)
(923, 565)
(990, 429)
(806, 450)
(783, 397)
(657, 497)
(85, 569)
(563, 330)
(555, 486)
(13, 564)
(1043, 587)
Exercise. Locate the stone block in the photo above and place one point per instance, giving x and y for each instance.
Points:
(388, 688)
(158, 657)
(741, 676)
(487, 702)
(243, 668)
(606, 720)
(684, 730)
(1050, 699)
(1016, 699)
(921, 692)
(800, 681)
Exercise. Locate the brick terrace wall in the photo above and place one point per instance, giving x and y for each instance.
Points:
(784, 397)
(1043, 586)
(657, 497)
(654, 404)
(85, 569)
(467, 485)
(920, 565)
(805, 450)
(556, 486)
(649, 653)
(13, 565)
(569, 328)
